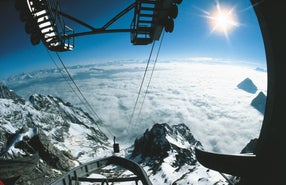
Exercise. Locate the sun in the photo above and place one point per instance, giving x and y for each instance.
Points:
(223, 20)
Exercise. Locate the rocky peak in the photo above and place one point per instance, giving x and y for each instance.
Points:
(167, 154)
(250, 147)
(65, 132)
(259, 102)
(60, 121)
(153, 143)
(182, 132)
(163, 140)
(6, 93)
(248, 86)
(70, 114)
(47, 103)
(54, 105)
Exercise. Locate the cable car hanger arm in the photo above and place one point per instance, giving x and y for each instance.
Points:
(103, 29)
(44, 22)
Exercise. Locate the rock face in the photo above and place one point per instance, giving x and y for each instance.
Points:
(66, 134)
(248, 86)
(250, 147)
(6, 93)
(259, 102)
(52, 161)
(155, 144)
(167, 152)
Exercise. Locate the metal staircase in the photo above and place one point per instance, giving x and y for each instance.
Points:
(47, 25)
(143, 22)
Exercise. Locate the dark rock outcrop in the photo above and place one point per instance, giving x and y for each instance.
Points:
(248, 86)
(52, 163)
(157, 144)
(250, 147)
(6, 93)
(259, 102)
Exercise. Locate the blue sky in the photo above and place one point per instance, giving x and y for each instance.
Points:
(192, 36)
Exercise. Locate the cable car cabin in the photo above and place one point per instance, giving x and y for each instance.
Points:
(150, 17)
(44, 24)
(115, 146)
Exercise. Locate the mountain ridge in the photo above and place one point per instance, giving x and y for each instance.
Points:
(167, 154)
(165, 151)
(66, 135)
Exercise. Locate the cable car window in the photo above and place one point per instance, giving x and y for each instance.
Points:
(129, 66)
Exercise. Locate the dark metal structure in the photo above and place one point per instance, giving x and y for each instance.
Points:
(45, 22)
(81, 173)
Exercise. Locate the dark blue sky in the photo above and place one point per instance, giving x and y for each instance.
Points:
(192, 36)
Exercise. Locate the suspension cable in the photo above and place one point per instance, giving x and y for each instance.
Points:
(65, 78)
(78, 89)
(85, 100)
(140, 89)
(81, 97)
(68, 81)
(150, 79)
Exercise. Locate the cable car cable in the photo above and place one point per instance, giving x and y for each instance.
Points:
(73, 90)
(85, 100)
(81, 98)
(78, 89)
(140, 89)
(150, 79)
(66, 79)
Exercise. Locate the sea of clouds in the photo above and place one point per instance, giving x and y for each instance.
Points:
(203, 95)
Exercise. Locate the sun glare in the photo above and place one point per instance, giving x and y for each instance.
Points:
(223, 20)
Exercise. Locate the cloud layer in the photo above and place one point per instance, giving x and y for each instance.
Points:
(204, 96)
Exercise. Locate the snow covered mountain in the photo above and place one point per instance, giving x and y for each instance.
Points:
(66, 135)
(167, 154)
(181, 92)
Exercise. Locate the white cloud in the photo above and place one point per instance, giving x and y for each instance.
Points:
(201, 95)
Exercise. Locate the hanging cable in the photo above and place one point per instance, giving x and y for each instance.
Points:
(78, 89)
(65, 78)
(84, 98)
(150, 79)
(68, 82)
(140, 89)
(81, 97)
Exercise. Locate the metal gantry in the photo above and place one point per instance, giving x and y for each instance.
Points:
(45, 22)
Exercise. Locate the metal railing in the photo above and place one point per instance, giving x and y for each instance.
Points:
(81, 173)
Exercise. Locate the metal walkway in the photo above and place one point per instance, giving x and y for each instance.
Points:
(81, 173)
